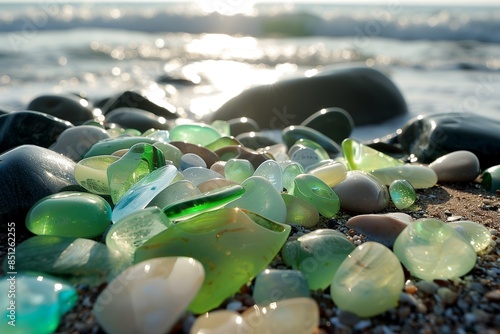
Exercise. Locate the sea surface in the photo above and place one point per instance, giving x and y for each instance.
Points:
(442, 58)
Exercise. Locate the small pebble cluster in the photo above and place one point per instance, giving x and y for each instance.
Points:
(167, 227)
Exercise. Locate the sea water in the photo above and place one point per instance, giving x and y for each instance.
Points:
(443, 59)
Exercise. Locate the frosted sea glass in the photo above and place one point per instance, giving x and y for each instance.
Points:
(491, 178)
(365, 158)
(195, 133)
(175, 192)
(91, 174)
(272, 285)
(238, 170)
(290, 172)
(272, 171)
(318, 193)
(331, 173)
(477, 235)
(299, 211)
(420, 177)
(108, 146)
(224, 241)
(369, 281)
(402, 194)
(431, 249)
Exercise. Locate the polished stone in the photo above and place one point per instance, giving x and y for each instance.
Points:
(458, 166)
(369, 281)
(255, 140)
(208, 156)
(76, 141)
(28, 174)
(138, 119)
(69, 107)
(30, 127)
(150, 296)
(362, 193)
(136, 99)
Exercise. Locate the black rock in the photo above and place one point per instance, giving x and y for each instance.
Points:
(5, 110)
(255, 140)
(131, 99)
(335, 123)
(72, 108)
(138, 119)
(29, 127)
(432, 136)
(27, 174)
(368, 95)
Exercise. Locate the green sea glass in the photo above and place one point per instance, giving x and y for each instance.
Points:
(232, 246)
(420, 177)
(294, 133)
(318, 193)
(69, 214)
(320, 151)
(200, 134)
(303, 155)
(490, 179)
(476, 234)
(205, 201)
(108, 146)
(238, 170)
(142, 192)
(222, 142)
(430, 249)
(222, 127)
(133, 230)
(138, 162)
(162, 136)
(365, 158)
(90, 173)
(79, 260)
(402, 194)
(318, 255)
(39, 303)
(170, 152)
(369, 281)
(175, 192)
(199, 175)
(290, 172)
(261, 197)
(272, 285)
(299, 211)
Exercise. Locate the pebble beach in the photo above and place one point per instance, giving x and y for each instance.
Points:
(350, 188)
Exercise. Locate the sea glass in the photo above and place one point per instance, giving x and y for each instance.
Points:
(199, 175)
(420, 177)
(261, 197)
(69, 214)
(490, 179)
(232, 246)
(290, 172)
(220, 321)
(272, 285)
(162, 136)
(150, 296)
(478, 236)
(304, 155)
(318, 193)
(271, 170)
(203, 202)
(299, 211)
(402, 194)
(91, 174)
(430, 249)
(142, 192)
(294, 133)
(108, 146)
(139, 161)
(369, 281)
(39, 304)
(320, 151)
(365, 158)
(222, 127)
(318, 255)
(331, 173)
(170, 152)
(238, 170)
(191, 160)
(131, 231)
(175, 192)
(76, 141)
(198, 134)
(222, 142)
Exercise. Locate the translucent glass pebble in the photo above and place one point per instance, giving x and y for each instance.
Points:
(170, 152)
(149, 297)
(40, 303)
(299, 211)
(261, 197)
(108, 146)
(431, 249)
(318, 193)
(238, 170)
(369, 281)
(69, 214)
(272, 171)
(402, 194)
(91, 174)
(477, 235)
(272, 285)
(490, 179)
(220, 321)
(80, 260)
(195, 133)
(365, 158)
(133, 230)
(199, 175)
(142, 192)
(139, 161)
(224, 241)
(203, 202)
(317, 255)
(331, 173)
(175, 192)
(320, 151)
(303, 155)
(191, 160)
(420, 177)
(290, 172)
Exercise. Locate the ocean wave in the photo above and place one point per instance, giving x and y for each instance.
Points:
(361, 23)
